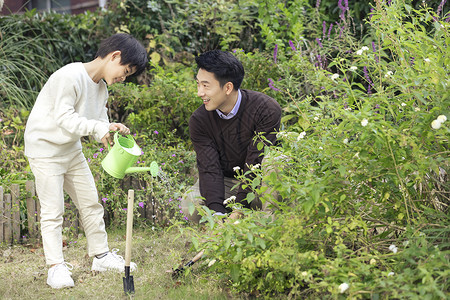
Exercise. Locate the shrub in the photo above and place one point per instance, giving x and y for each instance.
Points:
(364, 167)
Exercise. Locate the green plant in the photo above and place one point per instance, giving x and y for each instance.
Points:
(361, 171)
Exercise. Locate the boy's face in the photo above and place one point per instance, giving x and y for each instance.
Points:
(213, 96)
(115, 72)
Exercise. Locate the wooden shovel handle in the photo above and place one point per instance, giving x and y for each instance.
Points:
(129, 227)
(198, 256)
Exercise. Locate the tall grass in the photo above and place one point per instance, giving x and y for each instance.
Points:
(20, 78)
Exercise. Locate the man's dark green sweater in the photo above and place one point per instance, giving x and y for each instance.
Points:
(222, 144)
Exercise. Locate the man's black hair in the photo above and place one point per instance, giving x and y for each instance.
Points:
(225, 66)
(132, 51)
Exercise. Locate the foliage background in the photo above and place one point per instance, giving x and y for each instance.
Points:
(365, 183)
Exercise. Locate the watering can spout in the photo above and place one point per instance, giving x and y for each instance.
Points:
(123, 155)
(153, 169)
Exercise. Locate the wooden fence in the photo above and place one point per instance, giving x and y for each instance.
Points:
(16, 226)
(11, 226)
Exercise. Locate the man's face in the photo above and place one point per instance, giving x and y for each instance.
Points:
(115, 72)
(213, 96)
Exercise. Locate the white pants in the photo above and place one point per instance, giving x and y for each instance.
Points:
(68, 173)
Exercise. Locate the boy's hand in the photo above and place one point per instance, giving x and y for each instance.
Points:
(107, 139)
(122, 129)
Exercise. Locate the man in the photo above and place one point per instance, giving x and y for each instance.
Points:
(223, 132)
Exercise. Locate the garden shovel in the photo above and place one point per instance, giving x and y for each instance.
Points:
(181, 269)
(128, 283)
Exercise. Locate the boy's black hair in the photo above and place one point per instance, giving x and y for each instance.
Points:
(225, 66)
(132, 51)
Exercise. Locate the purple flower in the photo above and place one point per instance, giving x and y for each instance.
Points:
(170, 199)
(374, 48)
(342, 8)
(271, 85)
(377, 106)
(275, 51)
(181, 211)
(329, 30)
(125, 209)
(89, 160)
(173, 155)
(186, 218)
(324, 28)
(292, 45)
(318, 42)
(95, 155)
(101, 149)
(155, 132)
(104, 199)
(317, 3)
(141, 204)
(367, 77)
(440, 7)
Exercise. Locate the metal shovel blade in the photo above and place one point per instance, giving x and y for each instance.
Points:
(128, 283)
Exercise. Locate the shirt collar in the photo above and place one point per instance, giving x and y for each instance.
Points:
(234, 111)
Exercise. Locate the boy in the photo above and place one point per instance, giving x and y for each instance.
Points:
(223, 130)
(72, 104)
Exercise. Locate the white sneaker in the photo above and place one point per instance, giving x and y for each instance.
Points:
(59, 276)
(111, 262)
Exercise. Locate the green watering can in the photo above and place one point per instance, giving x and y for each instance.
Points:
(123, 155)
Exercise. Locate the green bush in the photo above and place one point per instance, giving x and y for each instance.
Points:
(363, 166)
(34, 45)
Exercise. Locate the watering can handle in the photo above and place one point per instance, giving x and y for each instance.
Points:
(116, 133)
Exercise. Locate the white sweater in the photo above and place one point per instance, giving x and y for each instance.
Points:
(69, 106)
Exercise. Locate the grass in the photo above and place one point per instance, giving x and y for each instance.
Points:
(24, 273)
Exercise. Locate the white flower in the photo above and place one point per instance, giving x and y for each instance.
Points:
(316, 118)
(391, 274)
(281, 134)
(255, 167)
(441, 118)
(343, 287)
(236, 222)
(364, 122)
(365, 48)
(229, 199)
(301, 135)
(345, 141)
(304, 273)
(436, 124)
(388, 73)
(359, 52)
(335, 76)
(416, 109)
(393, 248)
(403, 104)
(353, 68)
(211, 262)
(321, 148)
(426, 59)
(237, 168)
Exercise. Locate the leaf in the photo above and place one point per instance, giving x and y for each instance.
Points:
(191, 208)
(235, 272)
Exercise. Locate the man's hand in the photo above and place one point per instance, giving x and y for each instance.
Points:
(122, 129)
(235, 215)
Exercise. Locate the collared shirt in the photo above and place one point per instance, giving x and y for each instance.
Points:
(234, 111)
